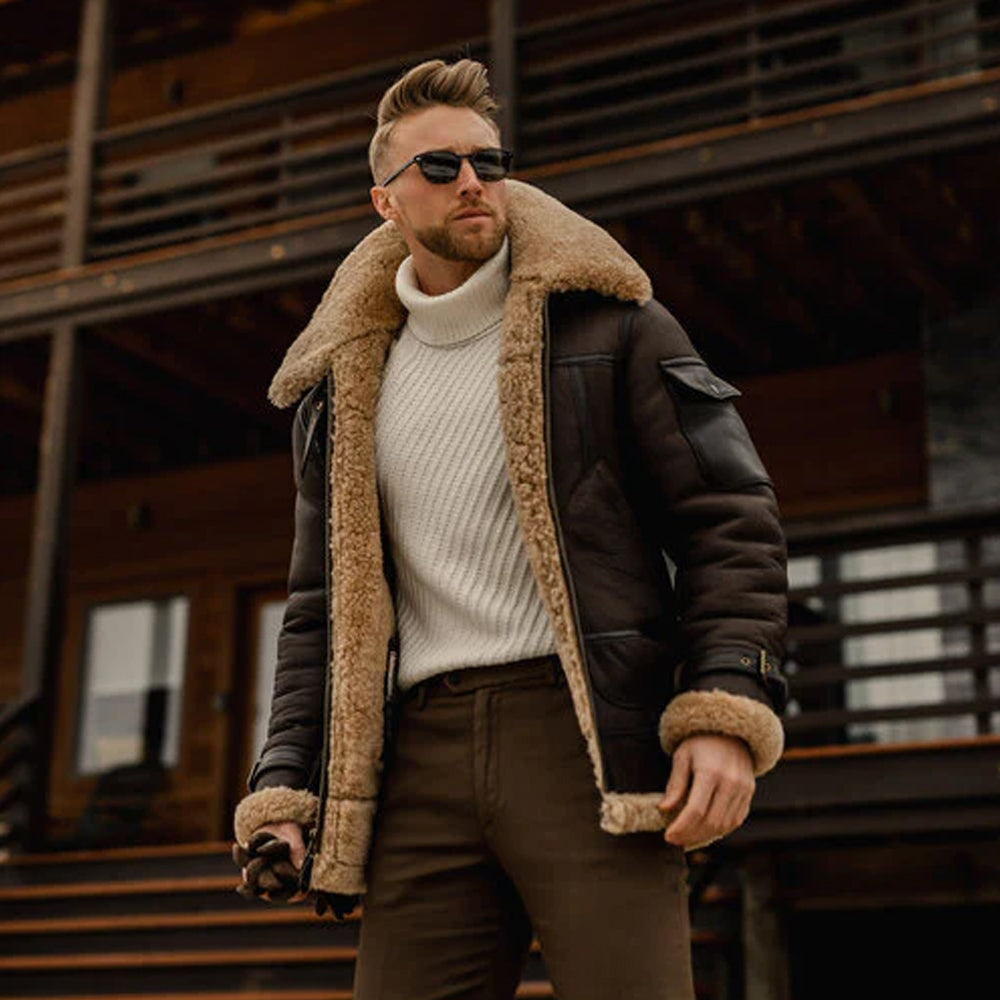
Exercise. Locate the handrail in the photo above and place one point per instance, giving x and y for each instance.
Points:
(12, 831)
(14, 713)
(860, 530)
(897, 644)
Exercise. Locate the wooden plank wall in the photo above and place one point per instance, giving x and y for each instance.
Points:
(215, 533)
(269, 55)
(841, 439)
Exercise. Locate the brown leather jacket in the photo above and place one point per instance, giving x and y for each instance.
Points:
(649, 520)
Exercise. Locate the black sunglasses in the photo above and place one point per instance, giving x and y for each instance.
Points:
(441, 166)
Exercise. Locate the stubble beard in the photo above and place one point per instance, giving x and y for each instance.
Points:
(475, 246)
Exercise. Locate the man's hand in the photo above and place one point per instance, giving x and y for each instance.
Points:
(715, 775)
(275, 857)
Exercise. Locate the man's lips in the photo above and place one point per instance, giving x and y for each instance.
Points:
(473, 213)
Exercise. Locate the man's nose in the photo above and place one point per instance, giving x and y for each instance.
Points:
(468, 182)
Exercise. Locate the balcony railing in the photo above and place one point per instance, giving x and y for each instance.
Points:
(18, 778)
(895, 630)
(625, 74)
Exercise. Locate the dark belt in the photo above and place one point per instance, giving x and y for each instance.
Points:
(535, 670)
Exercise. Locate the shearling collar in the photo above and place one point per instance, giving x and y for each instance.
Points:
(553, 249)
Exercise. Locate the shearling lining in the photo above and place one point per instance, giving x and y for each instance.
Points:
(273, 805)
(698, 712)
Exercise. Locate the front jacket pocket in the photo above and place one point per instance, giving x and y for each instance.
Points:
(711, 426)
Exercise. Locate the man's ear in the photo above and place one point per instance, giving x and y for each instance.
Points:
(382, 200)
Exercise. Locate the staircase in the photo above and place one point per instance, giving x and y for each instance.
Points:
(164, 923)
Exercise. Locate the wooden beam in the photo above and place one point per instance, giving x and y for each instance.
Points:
(778, 237)
(89, 104)
(892, 247)
(740, 263)
(708, 320)
(503, 66)
(212, 371)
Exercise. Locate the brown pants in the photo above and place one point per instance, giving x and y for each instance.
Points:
(488, 828)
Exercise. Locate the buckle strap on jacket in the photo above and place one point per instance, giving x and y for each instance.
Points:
(745, 661)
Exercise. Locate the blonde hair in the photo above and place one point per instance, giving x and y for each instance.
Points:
(462, 84)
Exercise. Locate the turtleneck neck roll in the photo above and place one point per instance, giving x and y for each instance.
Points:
(461, 314)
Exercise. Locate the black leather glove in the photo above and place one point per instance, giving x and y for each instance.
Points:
(268, 869)
(338, 904)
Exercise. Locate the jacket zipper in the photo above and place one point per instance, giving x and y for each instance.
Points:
(553, 507)
(315, 837)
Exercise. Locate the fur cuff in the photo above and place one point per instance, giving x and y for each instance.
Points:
(698, 713)
(273, 805)
(631, 812)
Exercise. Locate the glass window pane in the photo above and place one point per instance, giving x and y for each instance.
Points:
(133, 674)
(268, 627)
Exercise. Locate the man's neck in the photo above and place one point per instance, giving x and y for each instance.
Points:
(435, 275)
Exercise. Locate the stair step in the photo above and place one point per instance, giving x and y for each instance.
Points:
(120, 863)
(249, 928)
(168, 959)
(262, 915)
(160, 895)
(194, 972)
(525, 992)
(137, 887)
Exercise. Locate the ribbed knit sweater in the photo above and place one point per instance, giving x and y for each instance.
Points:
(465, 594)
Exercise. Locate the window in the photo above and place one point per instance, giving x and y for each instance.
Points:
(269, 618)
(132, 678)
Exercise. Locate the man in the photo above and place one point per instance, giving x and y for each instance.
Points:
(494, 710)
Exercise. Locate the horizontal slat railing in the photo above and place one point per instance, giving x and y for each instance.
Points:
(32, 209)
(591, 81)
(16, 743)
(267, 158)
(895, 631)
(645, 76)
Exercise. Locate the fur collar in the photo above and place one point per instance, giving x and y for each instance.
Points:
(553, 249)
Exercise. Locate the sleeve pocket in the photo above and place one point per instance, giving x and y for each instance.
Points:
(712, 427)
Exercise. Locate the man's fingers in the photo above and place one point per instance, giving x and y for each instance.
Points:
(686, 828)
(275, 850)
(677, 785)
(259, 839)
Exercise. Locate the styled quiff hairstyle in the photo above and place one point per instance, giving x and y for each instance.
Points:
(462, 84)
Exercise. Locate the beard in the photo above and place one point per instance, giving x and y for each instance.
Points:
(477, 245)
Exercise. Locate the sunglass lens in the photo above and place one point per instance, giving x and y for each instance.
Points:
(440, 167)
(491, 164)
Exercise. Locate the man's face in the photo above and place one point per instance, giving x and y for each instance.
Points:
(463, 220)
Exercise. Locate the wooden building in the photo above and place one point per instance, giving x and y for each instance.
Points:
(814, 189)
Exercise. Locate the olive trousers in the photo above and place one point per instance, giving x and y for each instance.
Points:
(488, 830)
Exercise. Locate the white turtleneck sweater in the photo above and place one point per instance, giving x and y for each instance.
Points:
(465, 593)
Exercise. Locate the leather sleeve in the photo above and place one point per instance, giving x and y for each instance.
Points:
(290, 755)
(713, 509)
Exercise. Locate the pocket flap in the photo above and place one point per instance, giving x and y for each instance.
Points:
(698, 377)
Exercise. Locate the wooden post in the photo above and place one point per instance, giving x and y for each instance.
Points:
(89, 105)
(765, 948)
(43, 624)
(44, 606)
(503, 66)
